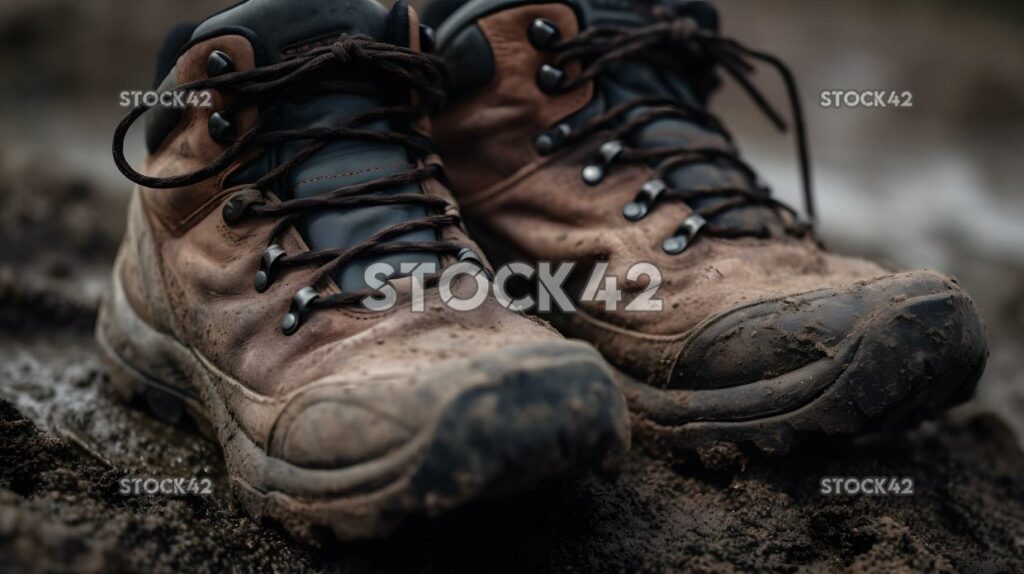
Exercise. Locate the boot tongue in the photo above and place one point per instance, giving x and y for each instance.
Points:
(640, 12)
(614, 12)
(628, 80)
(279, 28)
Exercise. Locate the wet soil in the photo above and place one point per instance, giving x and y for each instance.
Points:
(67, 444)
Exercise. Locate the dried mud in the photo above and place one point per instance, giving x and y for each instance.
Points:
(66, 443)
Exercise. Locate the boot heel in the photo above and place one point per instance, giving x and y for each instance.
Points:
(143, 364)
(137, 388)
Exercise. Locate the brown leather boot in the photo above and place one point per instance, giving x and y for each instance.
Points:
(238, 292)
(577, 131)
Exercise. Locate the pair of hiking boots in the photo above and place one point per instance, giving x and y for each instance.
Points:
(571, 131)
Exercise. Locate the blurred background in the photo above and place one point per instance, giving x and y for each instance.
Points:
(937, 185)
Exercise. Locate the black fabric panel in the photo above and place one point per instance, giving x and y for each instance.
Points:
(396, 27)
(276, 25)
(436, 11)
(160, 121)
(279, 24)
(168, 54)
(470, 61)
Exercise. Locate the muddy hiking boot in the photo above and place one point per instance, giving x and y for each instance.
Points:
(578, 131)
(237, 293)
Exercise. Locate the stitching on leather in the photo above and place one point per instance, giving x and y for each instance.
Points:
(356, 172)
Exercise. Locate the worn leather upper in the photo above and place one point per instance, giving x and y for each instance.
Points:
(189, 275)
(538, 208)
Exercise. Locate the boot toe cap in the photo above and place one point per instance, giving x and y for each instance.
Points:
(329, 428)
(524, 410)
(920, 319)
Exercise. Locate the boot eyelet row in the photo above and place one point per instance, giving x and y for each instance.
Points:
(641, 205)
(220, 127)
(552, 139)
(265, 275)
(299, 310)
(594, 173)
(683, 236)
(544, 35)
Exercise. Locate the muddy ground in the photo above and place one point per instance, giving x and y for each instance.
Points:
(66, 444)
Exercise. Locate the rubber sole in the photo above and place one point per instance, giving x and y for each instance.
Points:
(899, 368)
(532, 412)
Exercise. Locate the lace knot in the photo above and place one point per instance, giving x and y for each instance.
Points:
(343, 49)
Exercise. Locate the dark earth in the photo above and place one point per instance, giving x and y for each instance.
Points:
(67, 443)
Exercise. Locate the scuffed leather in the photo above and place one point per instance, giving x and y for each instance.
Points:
(490, 135)
(189, 275)
(539, 209)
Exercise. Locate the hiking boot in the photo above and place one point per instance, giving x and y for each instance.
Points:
(240, 292)
(578, 131)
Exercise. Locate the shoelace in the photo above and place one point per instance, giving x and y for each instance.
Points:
(665, 42)
(376, 68)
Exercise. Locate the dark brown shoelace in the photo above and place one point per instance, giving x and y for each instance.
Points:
(665, 43)
(372, 68)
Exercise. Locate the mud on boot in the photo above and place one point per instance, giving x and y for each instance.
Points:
(237, 293)
(578, 131)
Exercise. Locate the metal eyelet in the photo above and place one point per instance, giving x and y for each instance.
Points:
(552, 139)
(550, 78)
(641, 205)
(265, 275)
(428, 39)
(239, 204)
(218, 63)
(594, 173)
(467, 255)
(299, 310)
(543, 34)
(221, 129)
(684, 235)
